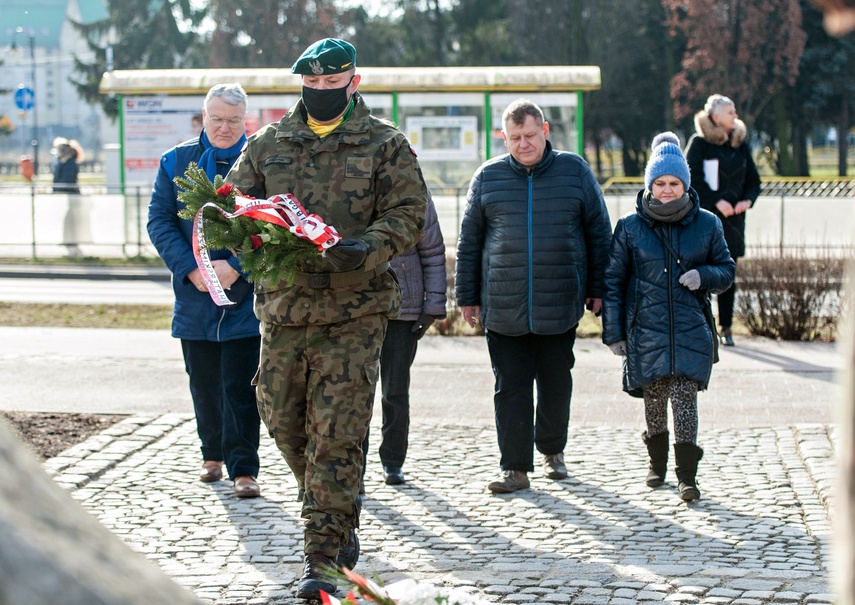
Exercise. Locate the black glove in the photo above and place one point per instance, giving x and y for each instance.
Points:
(347, 255)
(423, 323)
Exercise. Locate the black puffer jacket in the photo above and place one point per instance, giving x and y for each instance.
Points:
(533, 245)
(660, 319)
(737, 174)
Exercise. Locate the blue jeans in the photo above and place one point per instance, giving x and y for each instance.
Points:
(520, 362)
(227, 418)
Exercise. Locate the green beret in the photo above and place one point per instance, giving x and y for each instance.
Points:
(325, 57)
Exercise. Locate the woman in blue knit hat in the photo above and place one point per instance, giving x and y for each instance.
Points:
(665, 259)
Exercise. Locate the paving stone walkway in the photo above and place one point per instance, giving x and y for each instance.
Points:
(760, 534)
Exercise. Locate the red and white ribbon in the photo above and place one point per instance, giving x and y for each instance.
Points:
(287, 211)
(283, 210)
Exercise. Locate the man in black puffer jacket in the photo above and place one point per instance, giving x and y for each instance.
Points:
(532, 252)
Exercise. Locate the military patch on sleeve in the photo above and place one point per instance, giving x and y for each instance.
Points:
(358, 168)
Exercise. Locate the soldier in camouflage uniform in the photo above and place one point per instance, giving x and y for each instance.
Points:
(321, 336)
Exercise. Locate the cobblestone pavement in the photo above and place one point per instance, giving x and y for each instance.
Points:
(760, 534)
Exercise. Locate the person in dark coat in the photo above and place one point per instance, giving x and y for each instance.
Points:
(221, 345)
(532, 250)
(664, 258)
(66, 167)
(727, 182)
(421, 275)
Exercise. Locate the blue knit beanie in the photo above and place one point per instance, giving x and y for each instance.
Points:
(666, 158)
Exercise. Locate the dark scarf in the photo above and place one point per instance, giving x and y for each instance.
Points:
(672, 212)
(212, 155)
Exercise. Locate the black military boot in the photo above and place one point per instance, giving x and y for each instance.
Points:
(657, 449)
(315, 578)
(348, 555)
(687, 456)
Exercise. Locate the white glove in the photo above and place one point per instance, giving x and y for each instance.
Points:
(619, 347)
(691, 279)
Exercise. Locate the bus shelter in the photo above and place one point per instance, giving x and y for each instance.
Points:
(451, 115)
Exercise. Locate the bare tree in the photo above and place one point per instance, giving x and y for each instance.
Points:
(747, 49)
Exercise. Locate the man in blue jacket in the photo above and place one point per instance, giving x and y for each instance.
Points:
(220, 344)
(532, 252)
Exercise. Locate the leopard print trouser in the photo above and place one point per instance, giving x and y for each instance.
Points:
(683, 393)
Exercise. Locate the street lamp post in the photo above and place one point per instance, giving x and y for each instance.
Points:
(34, 128)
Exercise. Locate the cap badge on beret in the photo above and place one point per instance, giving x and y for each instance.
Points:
(325, 57)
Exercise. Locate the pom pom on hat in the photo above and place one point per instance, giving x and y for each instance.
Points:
(666, 158)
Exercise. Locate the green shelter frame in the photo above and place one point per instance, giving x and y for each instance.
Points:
(391, 80)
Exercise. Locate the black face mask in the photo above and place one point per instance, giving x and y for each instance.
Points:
(326, 104)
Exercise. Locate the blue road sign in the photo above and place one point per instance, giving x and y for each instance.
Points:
(25, 98)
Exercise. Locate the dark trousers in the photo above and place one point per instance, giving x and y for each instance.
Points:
(227, 418)
(519, 363)
(725, 302)
(396, 357)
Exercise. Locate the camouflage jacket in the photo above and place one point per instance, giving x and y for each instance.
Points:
(364, 180)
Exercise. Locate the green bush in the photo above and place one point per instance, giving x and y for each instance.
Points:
(791, 295)
(453, 325)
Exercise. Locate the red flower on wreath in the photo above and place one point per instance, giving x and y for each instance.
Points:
(257, 242)
(225, 190)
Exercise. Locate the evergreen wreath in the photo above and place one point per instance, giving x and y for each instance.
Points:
(267, 252)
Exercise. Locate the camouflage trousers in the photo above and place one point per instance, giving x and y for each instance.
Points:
(315, 394)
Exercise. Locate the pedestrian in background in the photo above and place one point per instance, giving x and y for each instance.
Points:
(322, 334)
(531, 255)
(664, 257)
(421, 275)
(726, 179)
(66, 166)
(220, 344)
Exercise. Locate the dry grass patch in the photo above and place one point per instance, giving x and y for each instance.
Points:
(61, 315)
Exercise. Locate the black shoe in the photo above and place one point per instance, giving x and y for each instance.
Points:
(394, 475)
(688, 492)
(727, 338)
(315, 578)
(348, 555)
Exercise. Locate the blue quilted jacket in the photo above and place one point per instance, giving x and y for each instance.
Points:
(660, 319)
(195, 316)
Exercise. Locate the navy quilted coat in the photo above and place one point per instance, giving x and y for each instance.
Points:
(660, 319)
(533, 245)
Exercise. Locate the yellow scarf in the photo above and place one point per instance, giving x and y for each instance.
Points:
(323, 130)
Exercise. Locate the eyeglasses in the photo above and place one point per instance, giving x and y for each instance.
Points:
(217, 121)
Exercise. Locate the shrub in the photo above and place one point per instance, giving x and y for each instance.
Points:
(791, 295)
(453, 324)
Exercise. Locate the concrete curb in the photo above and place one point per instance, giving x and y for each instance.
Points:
(85, 272)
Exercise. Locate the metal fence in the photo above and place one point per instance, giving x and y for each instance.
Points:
(110, 221)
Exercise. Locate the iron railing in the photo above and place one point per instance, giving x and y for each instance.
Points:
(110, 220)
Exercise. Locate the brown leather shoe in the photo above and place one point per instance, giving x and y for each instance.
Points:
(509, 481)
(246, 487)
(212, 470)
